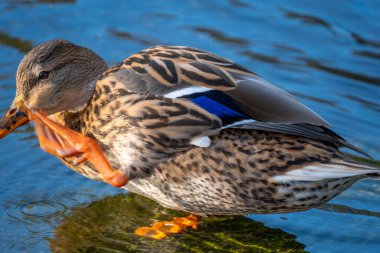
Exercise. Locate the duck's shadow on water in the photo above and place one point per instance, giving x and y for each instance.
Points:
(107, 225)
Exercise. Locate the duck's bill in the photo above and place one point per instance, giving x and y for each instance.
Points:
(15, 117)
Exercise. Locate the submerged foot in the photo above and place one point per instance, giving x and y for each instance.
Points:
(159, 230)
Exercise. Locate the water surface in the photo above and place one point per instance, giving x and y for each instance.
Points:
(326, 53)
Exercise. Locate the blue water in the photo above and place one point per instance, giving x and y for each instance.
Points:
(327, 53)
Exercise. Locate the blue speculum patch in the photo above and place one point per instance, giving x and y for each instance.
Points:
(220, 104)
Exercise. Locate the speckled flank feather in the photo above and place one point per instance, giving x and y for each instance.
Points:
(234, 175)
(198, 133)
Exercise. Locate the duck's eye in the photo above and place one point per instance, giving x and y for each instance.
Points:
(43, 75)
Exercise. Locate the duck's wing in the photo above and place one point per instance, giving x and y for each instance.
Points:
(183, 72)
(237, 96)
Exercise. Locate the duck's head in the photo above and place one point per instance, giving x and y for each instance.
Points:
(53, 77)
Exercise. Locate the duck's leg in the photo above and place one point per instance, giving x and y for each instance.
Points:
(64, 142)
(159, 230)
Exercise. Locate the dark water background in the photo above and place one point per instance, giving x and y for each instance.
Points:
(326, 53)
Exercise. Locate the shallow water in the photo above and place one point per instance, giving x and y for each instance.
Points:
(326, 53)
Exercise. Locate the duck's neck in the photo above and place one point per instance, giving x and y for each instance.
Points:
(72, 120)
(77, 117)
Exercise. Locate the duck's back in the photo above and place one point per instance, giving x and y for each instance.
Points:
(236, 96)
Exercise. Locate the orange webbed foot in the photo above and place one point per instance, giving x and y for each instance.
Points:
(64, 142)
(159, 230)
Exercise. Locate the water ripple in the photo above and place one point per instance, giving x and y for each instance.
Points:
(341, 72)
(32, 2)
(22, 45)
(266, 58)
(315, 99)
(368, 54)
(131, 37)
(239, 3)
(308, 19)
(34, 210)
(366, 103)
(221, 37)
(361, 40)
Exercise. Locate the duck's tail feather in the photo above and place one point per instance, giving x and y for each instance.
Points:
(342, 169)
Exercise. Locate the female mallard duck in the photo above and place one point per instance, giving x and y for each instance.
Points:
(191, 130)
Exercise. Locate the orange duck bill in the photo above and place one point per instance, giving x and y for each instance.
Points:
(15, 117)
(63, 142)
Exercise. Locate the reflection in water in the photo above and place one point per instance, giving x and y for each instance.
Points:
(107, 225)
(346, 209)
(33, 216)
(19, 44)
